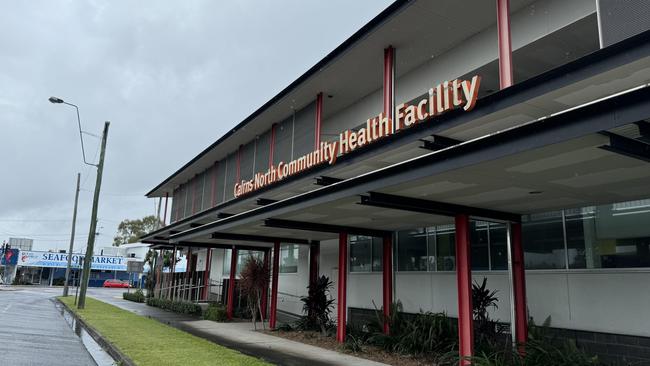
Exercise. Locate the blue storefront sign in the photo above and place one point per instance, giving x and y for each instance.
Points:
(60, 260)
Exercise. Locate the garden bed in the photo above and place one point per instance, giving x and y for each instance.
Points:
(368, 352)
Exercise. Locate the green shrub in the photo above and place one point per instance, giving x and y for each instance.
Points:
(180, 307)
(137, 296)
(216, 312)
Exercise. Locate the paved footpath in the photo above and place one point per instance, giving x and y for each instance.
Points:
(33, 331)
(239, 336)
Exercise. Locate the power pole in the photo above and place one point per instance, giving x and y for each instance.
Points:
(85, 274)
(74, 222)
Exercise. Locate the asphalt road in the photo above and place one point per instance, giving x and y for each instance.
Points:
(33, 331)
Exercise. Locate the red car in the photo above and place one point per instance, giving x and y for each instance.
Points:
(116, 283)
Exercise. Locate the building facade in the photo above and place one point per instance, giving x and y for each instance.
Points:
(446, 142)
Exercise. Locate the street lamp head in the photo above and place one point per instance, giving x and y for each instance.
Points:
(55, 100)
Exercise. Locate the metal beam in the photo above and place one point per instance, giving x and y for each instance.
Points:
(326, 181)
(432, 207)
(223, 215)
(264, 201)
(439, 143)
(644, 130)
(223, 246)
(195, 224)
(260, 238)
(627, 146)
(324, 228)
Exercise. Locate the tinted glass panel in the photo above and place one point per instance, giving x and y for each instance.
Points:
(446, 247)
(498, 246)
(412, 250)
(609, 236)
(360, 253)
(377, 254)
(288, 258)
(478, 236)
(543, 240)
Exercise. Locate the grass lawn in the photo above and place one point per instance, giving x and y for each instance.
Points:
(149, 342)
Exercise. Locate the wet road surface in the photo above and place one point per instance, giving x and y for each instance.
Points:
(33, 331)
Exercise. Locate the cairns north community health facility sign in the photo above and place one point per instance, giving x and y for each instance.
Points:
(444, 97)
(60, 260)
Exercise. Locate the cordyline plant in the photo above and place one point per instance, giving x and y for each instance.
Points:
(254, 278)
(317, 306)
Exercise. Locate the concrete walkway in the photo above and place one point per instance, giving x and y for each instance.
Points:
(239, 336)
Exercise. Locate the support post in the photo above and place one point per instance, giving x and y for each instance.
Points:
(389, 85)
(274, 284)
(70, 250)
(231, 283)
(165, 212)
(505, 47)
(206, 274)
(342, 288)
(464, 278)
(85, 278)
(265, 291)
(387, 280)
(519, 286)
(319, 120)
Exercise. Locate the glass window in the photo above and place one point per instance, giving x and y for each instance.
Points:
(498, 246)
(242, 257)
(360, 253)
(377, 254)
(478, 236)
(412, 250)
(609, 236)
(288, 258)
(366, 253)
(431, 248)
(446, 247)
(543, 241)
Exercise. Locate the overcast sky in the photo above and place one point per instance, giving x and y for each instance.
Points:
(170, 76)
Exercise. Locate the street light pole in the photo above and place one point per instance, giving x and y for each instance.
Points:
(74, 222)
(93, 223)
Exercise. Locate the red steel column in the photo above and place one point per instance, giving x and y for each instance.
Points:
(319, 118)
(314, 254)
(519, 284)
(238, 164)
(274, 284)
(389, 85)
(387, 279)
(272, 145)
(165, 213)
(464, 278)
(505, 46)
(206, 274)
(342, 290)
(231, 284)
(265, 290)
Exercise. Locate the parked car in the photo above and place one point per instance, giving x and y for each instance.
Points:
(116, 283)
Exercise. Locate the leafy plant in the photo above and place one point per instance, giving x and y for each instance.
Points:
(216, 312)
(180, 307)
(353, 344)
(423, 333)
(317, 306)
(489, 336)
(137, 296)
(254, 278)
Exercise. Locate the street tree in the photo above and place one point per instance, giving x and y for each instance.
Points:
(130, 231)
